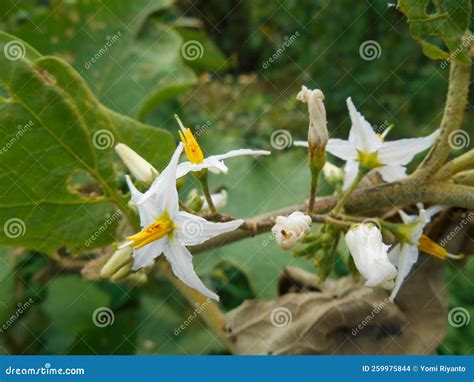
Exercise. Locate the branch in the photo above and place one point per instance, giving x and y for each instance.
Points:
(461, 163)
(365, 201)
(459, 78)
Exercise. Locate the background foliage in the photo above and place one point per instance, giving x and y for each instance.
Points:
(231, 97)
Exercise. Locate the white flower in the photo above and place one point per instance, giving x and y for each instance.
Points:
(332, 173)
(289, 230)
(219, 199)
(389, 158)
(370, 255)
(405, 254)
(317, 131)
(197, 162)
(168, 230)
(139, 167)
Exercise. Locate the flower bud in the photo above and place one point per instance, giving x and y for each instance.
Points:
(117, 261)
(219, 199)
(139, 167)
(290, 230)
(317, 133)
(333, 174)
(370, 255)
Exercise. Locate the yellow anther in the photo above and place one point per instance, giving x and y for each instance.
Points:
(191, 147)
(427, 245)
(155, 231)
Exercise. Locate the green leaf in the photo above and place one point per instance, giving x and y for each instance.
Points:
(126, 59)
(75, 304)
(53, 127)
(7, 284)
(450, 22)
(166, 329)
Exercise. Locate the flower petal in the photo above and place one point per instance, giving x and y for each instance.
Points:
(341, 149)
(187, 167)
(145, 256)
(194, 230)
(147, 209)
(408, 258)
(350, 173)
(163, 191)
(392, 173)
(364, 136)
(401, 152)
(238, 153)
(182, 264)
(302, 143)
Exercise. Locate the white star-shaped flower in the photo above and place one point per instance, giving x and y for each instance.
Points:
(168, 230)
(387, 158)
(196, 160)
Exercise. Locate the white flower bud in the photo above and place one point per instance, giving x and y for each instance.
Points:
(219, 199)
(139, 167)
(370, 255)
(289, 230)
(318, 132)
(333, 174)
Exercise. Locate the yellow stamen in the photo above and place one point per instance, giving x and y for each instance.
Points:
(427, 245)
(155, 231)
(191, 147)
(369, 160)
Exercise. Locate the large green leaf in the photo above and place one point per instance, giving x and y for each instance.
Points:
(53, 127)
(7, 284)
(130, 63)
(449, 21)
(76, 305)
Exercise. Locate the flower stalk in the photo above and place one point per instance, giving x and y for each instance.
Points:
(339, 207)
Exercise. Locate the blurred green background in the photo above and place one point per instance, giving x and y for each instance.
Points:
(252, 58)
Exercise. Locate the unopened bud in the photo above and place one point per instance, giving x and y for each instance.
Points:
(138, 166)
